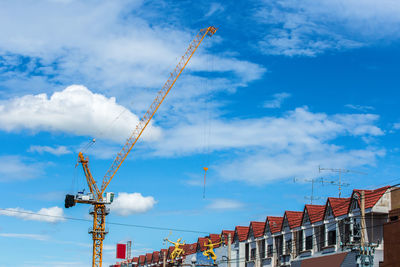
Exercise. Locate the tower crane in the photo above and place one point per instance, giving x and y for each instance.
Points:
(98, 197)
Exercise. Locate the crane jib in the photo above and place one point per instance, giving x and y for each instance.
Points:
(96, 196)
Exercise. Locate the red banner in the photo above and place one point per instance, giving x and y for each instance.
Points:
(121, 251)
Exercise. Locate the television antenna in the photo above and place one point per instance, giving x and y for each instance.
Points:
(339, 181)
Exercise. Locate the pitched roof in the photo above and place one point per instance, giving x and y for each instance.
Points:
(371, 196)
(162, 251)
(200, 243)
(241, 232)
(293, 218)
(190, 248)
(339, 206)
(149, 256)
(156, 257)
(315, 212)
(215, 238)
(274, 223)
(257, 228)
(225, 234)
(142, 258)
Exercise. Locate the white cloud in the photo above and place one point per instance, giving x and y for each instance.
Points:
(214, 8)
(25, 236)
(265, 167)
(16, 168)
(51, 215)
(396, 126)
(225, 204)
(58, 151)
(131, 203)
(75, 110)
(277, 100)
(274, 148)
(105, 45)
(310, 27)
(300, 128)
(360, 107)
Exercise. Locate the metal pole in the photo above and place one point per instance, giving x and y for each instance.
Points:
(164, 259)
(229, 250)
(363, 224)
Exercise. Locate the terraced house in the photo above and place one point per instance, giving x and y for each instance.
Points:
(320, 235)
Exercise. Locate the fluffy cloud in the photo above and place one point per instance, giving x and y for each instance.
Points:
(75, 110)
(311, 27)
(51, 215)
(16, 168)
(274, 148)
(58, 151)
(109, 46)
(276, 100)
(299, 128)
(225, 204)
(131, 203)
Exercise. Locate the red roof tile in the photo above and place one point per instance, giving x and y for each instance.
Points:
(241, 232)
(149, 257)
(190, 248)
(162, 251)
(225, 234)
(274, 223)
(200, 243)
(215, 238)
(371, 196)
(257, 228)
(340, 206)
(315, 212)
(156, 257)
(142, 258)
(294, 218)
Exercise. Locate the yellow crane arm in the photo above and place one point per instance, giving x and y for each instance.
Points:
(144, 121)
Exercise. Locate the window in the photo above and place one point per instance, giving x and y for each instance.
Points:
(270, 250)
(306, 219)
(247, 251)
(262, 249)
(309, 242)
(332, 237)
(253, 254)
(329, 211)
(320, 237)
(300, 240)
(288, 246)
(344, 229)
(279, 244)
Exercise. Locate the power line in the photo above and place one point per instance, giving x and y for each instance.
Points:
(112, 223)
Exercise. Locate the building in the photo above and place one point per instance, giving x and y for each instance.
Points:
(319, 235)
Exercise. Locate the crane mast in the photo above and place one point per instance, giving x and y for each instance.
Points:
(96, 196)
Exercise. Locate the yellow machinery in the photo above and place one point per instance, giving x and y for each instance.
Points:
(98, 197)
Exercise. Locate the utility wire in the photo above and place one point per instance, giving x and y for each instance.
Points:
(112, 223)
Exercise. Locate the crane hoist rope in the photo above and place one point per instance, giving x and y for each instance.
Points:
(96, 196)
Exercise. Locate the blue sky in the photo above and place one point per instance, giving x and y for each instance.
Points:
(282, 88)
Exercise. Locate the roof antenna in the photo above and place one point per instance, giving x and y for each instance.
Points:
(339, 181)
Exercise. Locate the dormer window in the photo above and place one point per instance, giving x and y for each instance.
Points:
(306, 218)
(354, 205)
(329, 211)
(285, 223)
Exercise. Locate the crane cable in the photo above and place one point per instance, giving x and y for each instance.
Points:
(207, 124)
